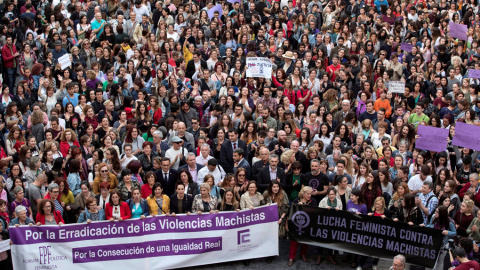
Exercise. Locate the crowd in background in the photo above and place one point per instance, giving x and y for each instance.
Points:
(155, 114)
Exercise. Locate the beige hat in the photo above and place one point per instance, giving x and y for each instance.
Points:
(288, 55)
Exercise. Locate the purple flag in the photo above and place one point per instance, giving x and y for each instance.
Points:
(211, 11)
(432, 138)
(406, 47)
(467, 136)
(458, 31)
(233, 1)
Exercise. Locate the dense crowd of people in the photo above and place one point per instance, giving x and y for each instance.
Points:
(155, 114)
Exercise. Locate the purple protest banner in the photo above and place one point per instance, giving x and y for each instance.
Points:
(458, 31)
(233, 1)
(211, 12)
(473, 73)
(467, 136)
(406, 47)
(432, 138)
(160, 242)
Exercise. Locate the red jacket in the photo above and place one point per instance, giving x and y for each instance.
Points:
(465, 188)
(125, 212)
(58, 217)
(64, 146)
(7, 56)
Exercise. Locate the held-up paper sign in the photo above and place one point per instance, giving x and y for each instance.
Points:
(4, 245)
(406, 47)
(431, 138)
(259, 67)
(467, 136)
(211, 12)
(473, 73)
(396, 87)
(64, 61)
(458, 31)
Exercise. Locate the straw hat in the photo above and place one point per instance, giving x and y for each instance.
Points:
(288, 55)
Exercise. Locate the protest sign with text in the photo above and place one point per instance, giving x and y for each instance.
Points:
(432, 138)
(467, 136)
(365, 235)
(396, 87)
(259, 67)
(169, 242)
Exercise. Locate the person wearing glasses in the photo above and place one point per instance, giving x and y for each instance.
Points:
(53, 192)
(104, 176)
(91, 213)
(47, 214)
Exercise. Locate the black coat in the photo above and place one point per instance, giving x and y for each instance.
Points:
(226, 154)
(264, 178)
(186, 204)
(190, 69)
(147, 165)
(168, 187)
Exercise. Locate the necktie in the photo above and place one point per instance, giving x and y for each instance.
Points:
(166, 177)
(234, 146)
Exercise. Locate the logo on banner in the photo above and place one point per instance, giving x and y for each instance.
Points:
(45, 253)
(243, 237)
(301, 220)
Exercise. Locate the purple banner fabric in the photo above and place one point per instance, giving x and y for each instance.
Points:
(233, 1)
(432, 138)
(146, 249)
(406, 47)
(458, 31)
(467, 136)
(137, 227)
(211, 11)
(473, 73)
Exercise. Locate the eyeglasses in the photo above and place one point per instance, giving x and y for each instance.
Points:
(104, 171)
(55, 191)
(241, 175)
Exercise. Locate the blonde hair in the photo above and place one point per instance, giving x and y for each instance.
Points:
(366, 123)
(303, 190)
(379, 199)
(285, 158)
(469, 204)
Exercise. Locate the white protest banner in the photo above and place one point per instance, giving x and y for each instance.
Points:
(4, 245)
(396, 87)
(65, 61)
(259, 67)
(159, 242)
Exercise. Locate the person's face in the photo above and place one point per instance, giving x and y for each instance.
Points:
(165, 165)
(273, 162)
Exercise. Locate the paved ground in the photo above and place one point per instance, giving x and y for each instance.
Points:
(280, 262)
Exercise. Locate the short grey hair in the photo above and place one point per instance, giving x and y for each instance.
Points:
(336, 152)
(53, 186)
(17, 189)
(205, 145)
(159, 133)
(401, 258)
(33, 162)
(190, 154)
(273, 156)
(19, 209)
(239, 151)
(429, 184)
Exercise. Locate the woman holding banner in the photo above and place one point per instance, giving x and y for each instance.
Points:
(330, 202)
(304, 198)
(252, 198)
(442, 221)
(138, 205)
(91, 213)
(47, 215)
(180, 202)
(158, 203)
(371, 189)
(115, 209)
(204, 202)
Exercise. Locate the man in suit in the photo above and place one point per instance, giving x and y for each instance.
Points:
(192, 166)
(271, 172)
(226, 151)
(167, 177)
(240, 162)
(194, 64)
